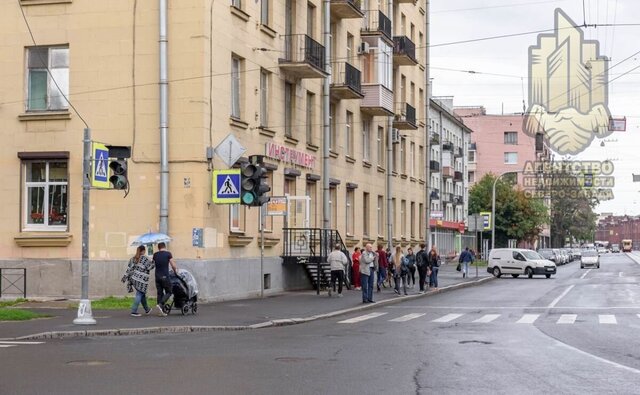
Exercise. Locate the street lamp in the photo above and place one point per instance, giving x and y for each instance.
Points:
(493, 206)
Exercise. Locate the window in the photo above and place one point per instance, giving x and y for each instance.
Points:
(264, 98)
(366, 140)
(349, 134)
(394, 161)
(420, 104)
(412, 33)
(289, 108)
(290, 189)
(472, 156)
(412, 219)
(236, 218)
(235, 87)
(472, 176)
(365, 214)
(264, 12)
(392, 214)
(511, 158)
(350, 211)
(403, 218)
(311, 117)
(46, 194)
(46, 89)
(421, 159)
(236, 3)
(420, 41)
(511, 138)
(403, 90)
(311, 192)
(403, 156)
(380, 214)
(412, 160)
(350, 49)
(385, 66)
(311, 13)
(333, 121)
(333, 203)
(421, 216)
(380, 142)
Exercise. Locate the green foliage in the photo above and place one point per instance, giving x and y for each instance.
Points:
(7, 303)
(9, 314)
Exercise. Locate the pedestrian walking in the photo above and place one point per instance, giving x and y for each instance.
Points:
(399, 262)
(466, 257)
(163, 259)
(383, 264)
(391, 271)
(411, 265)
(422, 264)
(368, 268)
(338, 262)
(137, 277)
(355, 260)
(434, 266)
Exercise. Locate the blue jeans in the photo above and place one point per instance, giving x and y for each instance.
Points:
(366, 281)
(465, 268)
(433, 279)
(140, 297)
(382, 275)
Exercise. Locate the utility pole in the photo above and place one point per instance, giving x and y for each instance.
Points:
(427, 144)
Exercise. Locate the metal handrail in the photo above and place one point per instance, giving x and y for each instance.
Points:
(300, 48)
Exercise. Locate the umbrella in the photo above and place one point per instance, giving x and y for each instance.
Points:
(151, 238)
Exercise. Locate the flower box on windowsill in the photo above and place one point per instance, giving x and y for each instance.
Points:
(239, 240)
(270, 241)
(43, 239)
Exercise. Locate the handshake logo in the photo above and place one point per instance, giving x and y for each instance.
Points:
(568, 83)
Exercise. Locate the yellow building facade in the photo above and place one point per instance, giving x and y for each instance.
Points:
(254, 69)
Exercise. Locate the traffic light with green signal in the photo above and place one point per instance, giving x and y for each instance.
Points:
(118, 177)
(253, 185)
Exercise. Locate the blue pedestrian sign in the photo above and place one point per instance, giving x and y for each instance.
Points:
(100, 166)
(226, 186)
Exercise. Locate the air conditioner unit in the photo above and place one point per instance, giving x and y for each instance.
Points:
(395, 136)
(364, 48)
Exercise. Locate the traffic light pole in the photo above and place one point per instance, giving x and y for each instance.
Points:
(85, 316)
(262, 251)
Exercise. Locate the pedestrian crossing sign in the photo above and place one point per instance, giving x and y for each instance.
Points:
(100, 166)
(226, 186)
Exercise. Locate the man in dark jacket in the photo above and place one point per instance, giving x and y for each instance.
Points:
(422, 264)
(383, 263)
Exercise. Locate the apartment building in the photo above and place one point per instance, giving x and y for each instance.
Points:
(251, 69)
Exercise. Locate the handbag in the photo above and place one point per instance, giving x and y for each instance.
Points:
(458, 268)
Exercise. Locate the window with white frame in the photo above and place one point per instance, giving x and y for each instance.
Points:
(235, 87)
(403, 218)
(46, 195)
(289, 108)
(333, 121)
(412, 219)
(310, 190)
(333, 205)
(236, 3)
(403, 156)
(236, 218)
(311, 117)
(380, 144)
(47, 78)
(264, 98)
(380, 215)
(511, 158)
(366, 140)
(349, 134)
(350, 211)
(365, 214)
(412, 160)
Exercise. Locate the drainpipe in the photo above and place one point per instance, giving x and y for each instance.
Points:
(326, 127)
(427, 145)
(390, 214)
(164, 121)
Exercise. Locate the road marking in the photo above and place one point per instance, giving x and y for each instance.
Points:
(15, 342)
(487, 318)
(567, 319)
(607, 319)
(620, 274)
(361, 318)
(556, 300)
(528, 319)
(7, 345)
(585, 274)
(407, 317)
(448, 318)
(614, 364)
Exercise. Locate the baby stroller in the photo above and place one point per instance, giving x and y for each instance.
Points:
(185, 292)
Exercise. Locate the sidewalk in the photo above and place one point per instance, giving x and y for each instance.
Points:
(283, 309)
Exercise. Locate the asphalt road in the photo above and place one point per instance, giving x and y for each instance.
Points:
(575, 333)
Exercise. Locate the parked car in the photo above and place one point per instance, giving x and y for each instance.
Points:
(517, 261)
(615, 248)
(550, 254)
(590, 258)
(569, 255)
(562, 258)
(577, 253)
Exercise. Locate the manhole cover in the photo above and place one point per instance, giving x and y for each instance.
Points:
(293, 359)
(88, 363)
(475, 341)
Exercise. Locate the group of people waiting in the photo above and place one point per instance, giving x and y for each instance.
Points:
(396, 270)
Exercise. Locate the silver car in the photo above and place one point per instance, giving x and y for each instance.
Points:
(590, 258)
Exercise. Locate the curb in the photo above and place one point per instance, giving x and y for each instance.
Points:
(214, 328)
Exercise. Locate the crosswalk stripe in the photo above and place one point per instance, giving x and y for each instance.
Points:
(487, 318)
(7, 345)
(567, 319)
(448, 318)
(16, 342)
(607, 319)
(528, 319)
(407, 317)
(361, 318)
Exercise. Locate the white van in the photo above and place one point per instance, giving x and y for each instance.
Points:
(517, 261)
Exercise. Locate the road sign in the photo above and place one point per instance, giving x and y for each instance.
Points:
(437, 214)
(100, 166)
(486, 223)
(475, 223)
(226, 186)
(277, 206)
(197, 237)
(230, 150)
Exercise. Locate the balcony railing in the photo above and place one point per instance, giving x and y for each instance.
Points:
(447, 198)
(435, 138)
(405, 117)
(458, 200)
(457, 176)
(447, 146)
(304, 57)
(434, 166)
(404, 51)
(447, 171)
(346, 9)
(458, 152)
(376, 22)
(345, 81)
(473, 147)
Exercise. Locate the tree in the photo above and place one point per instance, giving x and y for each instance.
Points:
(517, 216)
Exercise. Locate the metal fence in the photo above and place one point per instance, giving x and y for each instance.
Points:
(13, 281)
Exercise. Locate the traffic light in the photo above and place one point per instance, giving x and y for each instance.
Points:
(118, 177)
(252, 180)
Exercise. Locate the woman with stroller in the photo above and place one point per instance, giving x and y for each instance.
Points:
(137, 277)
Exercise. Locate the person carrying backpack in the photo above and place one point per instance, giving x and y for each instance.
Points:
(411, 266)
(422, 265)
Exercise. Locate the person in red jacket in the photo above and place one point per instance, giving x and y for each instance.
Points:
(355, 261)
(383, 263)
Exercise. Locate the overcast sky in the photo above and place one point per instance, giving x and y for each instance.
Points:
(459, 20)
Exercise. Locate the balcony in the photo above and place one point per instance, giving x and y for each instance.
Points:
(404, 51)
(304, 57)
(447, 198)
(447, 146)
(435, 194)
(435, 138)
(376, 23)
(405, 117)
(378, 100)
(458, 200)
(434, 166)
(406, 1)
(457, 176)
(447, 171)
(345, 81)
(458, 152)
(346, 9)
(473, 147)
